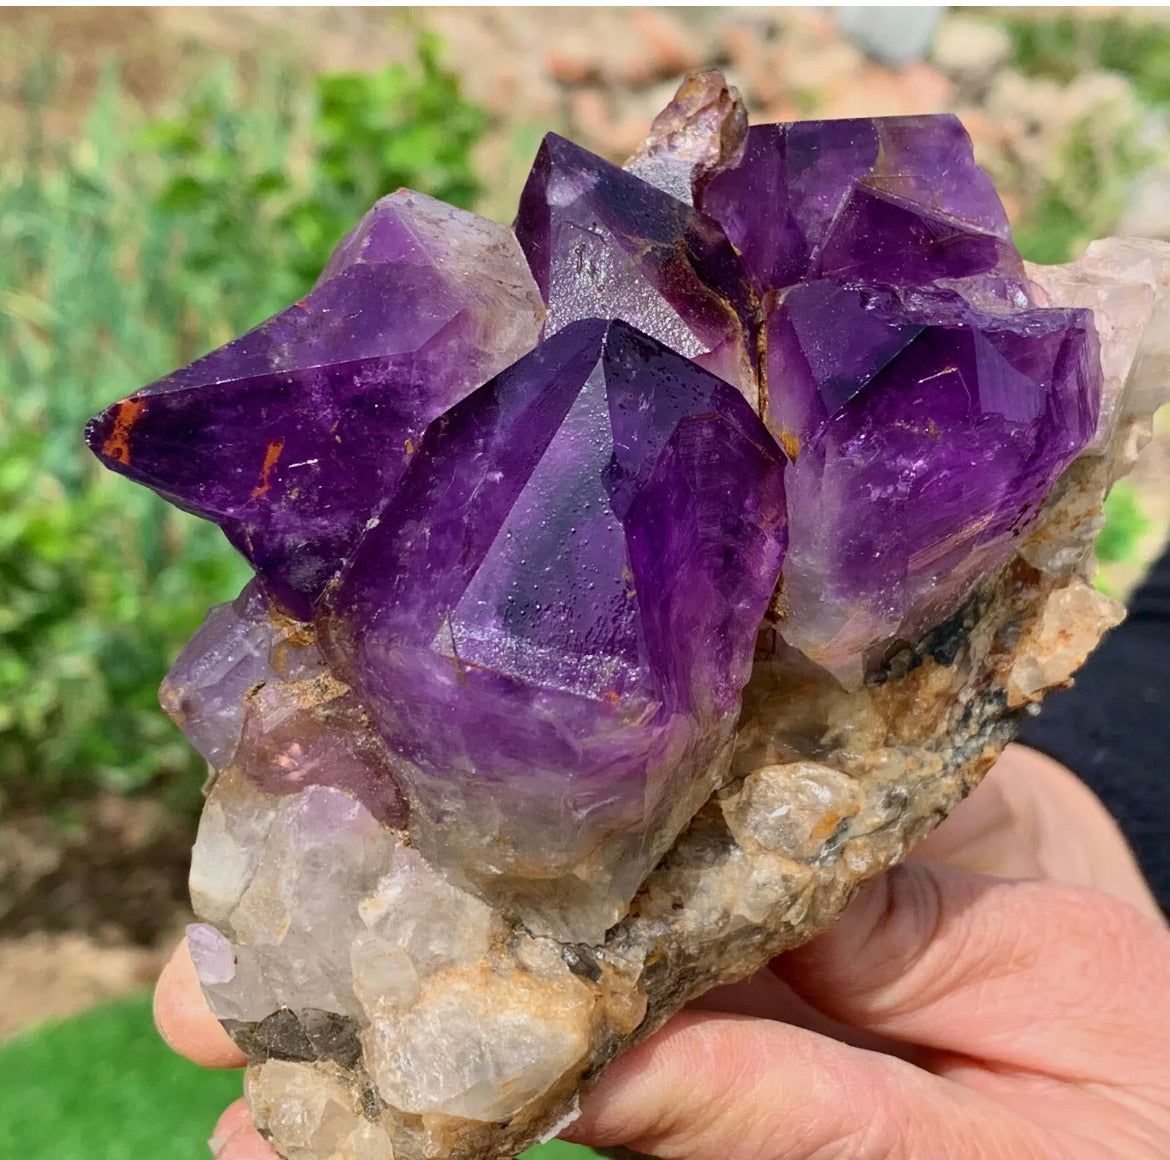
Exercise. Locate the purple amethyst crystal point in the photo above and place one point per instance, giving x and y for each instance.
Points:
(552, 622)
(894, 200)
(292, 436)
(603, 243)
(925, 434)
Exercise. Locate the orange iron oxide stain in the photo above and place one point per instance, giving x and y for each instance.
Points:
(270, 458)
(117, 444)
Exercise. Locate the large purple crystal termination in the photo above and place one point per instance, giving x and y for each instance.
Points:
(554, 618)
(603, 243)
(926, 406)
(292, 436)
(894, 200)
(924, 433)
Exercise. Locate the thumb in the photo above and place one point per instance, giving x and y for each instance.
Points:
(1032, 975)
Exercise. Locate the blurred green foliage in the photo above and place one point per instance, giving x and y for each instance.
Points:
(291, 192)
(104, 1086)
(1082, 196)
(1124, 524)
(1065, 45)
(122, 256)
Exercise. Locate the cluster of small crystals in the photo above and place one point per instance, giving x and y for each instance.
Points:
(519, 503)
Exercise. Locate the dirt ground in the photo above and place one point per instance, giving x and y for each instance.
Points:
(90, 914)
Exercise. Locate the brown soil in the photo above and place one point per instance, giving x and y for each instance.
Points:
(89, 910)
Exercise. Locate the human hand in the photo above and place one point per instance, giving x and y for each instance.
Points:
(947, 1014)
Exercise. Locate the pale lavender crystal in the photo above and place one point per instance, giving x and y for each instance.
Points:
(552, 622)
(205, 690)
(252, 688)
(292, 436)
(603, 243)
(282, 879)
(894, 200)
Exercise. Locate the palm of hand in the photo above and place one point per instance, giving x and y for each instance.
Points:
(948, 1015)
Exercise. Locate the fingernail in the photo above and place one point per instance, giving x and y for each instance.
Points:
(216, 1144)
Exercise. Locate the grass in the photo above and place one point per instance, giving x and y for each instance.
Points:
(104, 1086)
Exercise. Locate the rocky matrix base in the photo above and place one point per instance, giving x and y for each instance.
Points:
(630, 587)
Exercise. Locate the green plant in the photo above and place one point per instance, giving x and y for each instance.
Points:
(1124, 525)
(98, 582)
(104, 1086)
(361, 136)
(1062, 46)
(1084, 197)
(128, 253)
(376, 132)
(1081, 197)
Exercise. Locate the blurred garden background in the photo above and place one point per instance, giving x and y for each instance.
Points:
(169, 178)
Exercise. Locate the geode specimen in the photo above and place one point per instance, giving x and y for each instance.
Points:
(630, 586)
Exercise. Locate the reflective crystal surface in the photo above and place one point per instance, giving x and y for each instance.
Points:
(924, 435)
(894, 200)
(603, 243)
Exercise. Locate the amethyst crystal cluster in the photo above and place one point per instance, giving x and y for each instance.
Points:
(527, 508)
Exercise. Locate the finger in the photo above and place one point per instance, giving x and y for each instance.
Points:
(1033, 818)
(235, 1116)
(765, 995)
(184, 1019)
(720, 1087)
(1031, 975)
(247, 1144)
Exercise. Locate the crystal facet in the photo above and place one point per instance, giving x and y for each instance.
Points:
(895, 200)
(924, 434)
(603, 243)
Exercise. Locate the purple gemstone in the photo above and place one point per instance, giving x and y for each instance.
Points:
(292, 436)
(925, 435)
(603, 243)
(229, 656)
(559, 609)
(896, 200)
